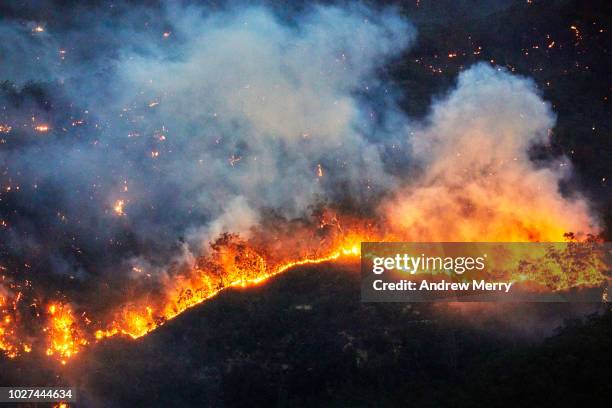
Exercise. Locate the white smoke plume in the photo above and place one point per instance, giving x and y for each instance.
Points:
(478, 182)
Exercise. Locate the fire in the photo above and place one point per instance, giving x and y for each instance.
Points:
(41, 128)
(319, 170)
(244, 268)
(6, 345)
(434, 212)
(64, 334)
(233, 262)
(118, 208)
(9, 339)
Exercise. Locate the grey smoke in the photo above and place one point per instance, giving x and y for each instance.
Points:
(234, 112)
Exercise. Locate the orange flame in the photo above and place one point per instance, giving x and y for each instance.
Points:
(233, 262)
(65, 337)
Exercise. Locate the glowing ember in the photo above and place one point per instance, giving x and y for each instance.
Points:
(118, 208)
(9, 339)
(319, 170)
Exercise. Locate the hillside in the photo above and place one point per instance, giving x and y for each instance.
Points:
(305, 339)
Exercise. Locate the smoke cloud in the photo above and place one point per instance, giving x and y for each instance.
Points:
(166, 126)
(184, 130)
(478, 182)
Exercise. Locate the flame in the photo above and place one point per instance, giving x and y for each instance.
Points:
(190, 291)
(9, 339)
(65, 337)
(232, 263)
(273, 249)
(118, 207)
(236, 264)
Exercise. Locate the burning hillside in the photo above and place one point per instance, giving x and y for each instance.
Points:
(63, 332)
(241, 146)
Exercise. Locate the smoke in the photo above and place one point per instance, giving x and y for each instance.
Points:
(478, 182)
(257, 110)
(193, 124)
(169, 125)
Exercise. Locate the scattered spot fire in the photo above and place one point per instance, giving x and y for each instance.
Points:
(41, 128)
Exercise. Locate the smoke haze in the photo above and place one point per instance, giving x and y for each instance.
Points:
(478, 182)
(135, 142)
